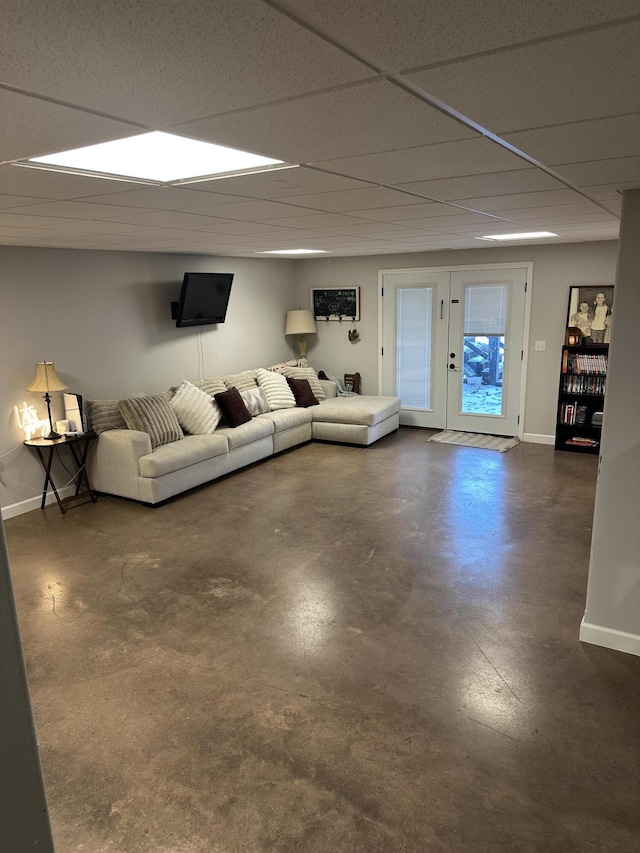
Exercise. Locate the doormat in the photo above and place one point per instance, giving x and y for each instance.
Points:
(474, 439)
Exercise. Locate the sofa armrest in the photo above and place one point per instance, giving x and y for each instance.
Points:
(113, 463)
(330, 388)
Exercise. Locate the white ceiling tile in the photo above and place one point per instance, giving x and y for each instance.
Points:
(602, 139)
(241, 53)
(253, 210)
(163, 218)
(497, 183)
(521, 200)
(528, 87)
(162, 198)
(32, 127)
(563, 210)
(413, 211)
(446, 160)
(14, 202)
(353, 200)
(78, 210)
(22, 221)
(405, 33)
(625, 170)
(319, 220)
(42, 183)
(281, 184)
(370, 117)
(435, 222)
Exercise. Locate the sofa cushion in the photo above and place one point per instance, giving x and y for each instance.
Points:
(197, 412)
(310, 375)
(356, 410)
(302, 392)
(153, 415)
(243, 380)
(276, 387)
(180, 454)
(254, 429)
(103, 415)
(233, 407)
(284, 419)
(255, 400)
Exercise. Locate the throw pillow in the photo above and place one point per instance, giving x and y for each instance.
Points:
(255, 400)
(197, 412)
(311, 376)
(233, 407)
(294, 362)
(153, 415)
(103, 415)
(302, 392)
(277, 390)
(211, 386)
(241, 381)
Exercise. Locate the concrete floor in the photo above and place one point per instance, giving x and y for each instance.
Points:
(340, 649)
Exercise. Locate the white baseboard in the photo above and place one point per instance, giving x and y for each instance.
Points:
(30, 504)
(610, 638)
(535, 438)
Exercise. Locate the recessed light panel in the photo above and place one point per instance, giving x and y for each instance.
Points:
(527, 235)
(160, 157)
(293, 252)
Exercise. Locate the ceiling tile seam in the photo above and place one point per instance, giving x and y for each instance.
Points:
(537, 127)
(431, 100)
(317, 29)
(71, 106)
(537, 42)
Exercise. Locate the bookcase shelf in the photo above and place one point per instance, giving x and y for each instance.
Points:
(583, 378)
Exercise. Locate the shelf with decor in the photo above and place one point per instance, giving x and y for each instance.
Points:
(583, 378)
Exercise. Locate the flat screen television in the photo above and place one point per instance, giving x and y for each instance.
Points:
(203, 299)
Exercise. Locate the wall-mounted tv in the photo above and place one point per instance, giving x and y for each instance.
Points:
(203, 299)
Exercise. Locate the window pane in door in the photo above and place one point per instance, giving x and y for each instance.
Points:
(482, 375)
(414, 320)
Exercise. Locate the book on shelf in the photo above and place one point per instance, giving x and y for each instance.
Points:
(582, 441)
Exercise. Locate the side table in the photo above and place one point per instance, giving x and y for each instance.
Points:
(78, 446)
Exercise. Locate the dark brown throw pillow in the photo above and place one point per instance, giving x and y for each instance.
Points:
(302, 392)
(233, 408)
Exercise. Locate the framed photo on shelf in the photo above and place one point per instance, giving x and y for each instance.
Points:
(341, 303)
(590, 314)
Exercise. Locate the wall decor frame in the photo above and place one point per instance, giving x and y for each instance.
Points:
(341, 303)
(590, 313)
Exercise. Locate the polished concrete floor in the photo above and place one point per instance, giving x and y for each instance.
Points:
(340, 649)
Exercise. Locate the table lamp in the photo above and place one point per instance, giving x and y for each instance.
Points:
(47, 380)
(301, 323)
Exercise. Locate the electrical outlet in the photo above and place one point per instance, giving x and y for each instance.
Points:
(541, 346)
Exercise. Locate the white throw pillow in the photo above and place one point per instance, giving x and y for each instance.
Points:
(198, 413)
(276, 388)
(256, 401)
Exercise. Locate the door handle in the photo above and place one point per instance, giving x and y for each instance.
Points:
(453, 367)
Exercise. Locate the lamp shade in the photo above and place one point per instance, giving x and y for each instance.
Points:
(300, 322)
(46, 379)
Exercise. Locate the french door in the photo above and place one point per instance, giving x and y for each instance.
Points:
(452, 346)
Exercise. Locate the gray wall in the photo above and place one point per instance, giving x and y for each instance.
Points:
(104, 319)
(555, 269)
(612, 616)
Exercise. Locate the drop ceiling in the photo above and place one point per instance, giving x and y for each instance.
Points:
(417, 125)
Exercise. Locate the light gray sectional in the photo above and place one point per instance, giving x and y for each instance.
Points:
(123, 462)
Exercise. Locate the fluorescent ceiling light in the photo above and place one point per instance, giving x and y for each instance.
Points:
(293, 252)
(160, 157)
(527, 235)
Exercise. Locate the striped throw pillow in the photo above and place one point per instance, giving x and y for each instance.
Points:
(197, 412)
(276, 388)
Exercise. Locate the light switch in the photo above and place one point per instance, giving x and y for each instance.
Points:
(541, 346)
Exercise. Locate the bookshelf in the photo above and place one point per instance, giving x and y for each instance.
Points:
(583, 378)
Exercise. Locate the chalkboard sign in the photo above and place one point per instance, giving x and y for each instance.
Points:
(338, 304)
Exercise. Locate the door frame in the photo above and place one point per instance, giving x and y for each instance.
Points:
(449, 268)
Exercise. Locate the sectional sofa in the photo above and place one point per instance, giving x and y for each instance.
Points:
(152, 448)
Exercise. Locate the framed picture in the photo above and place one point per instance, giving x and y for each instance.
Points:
(337, 304)
(591, 312)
